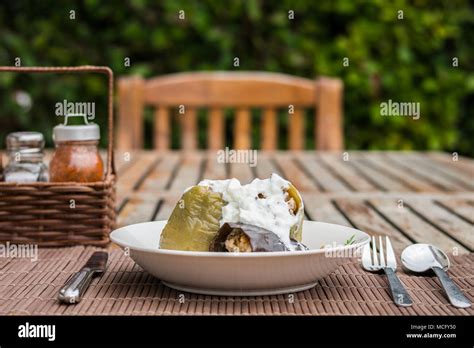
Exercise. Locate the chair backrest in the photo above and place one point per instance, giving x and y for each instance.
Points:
(238, 90)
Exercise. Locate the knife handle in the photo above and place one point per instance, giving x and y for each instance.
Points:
(75, 287)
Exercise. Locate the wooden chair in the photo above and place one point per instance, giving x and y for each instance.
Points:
(239, 90)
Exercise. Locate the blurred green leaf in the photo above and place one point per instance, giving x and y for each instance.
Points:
(405, 60)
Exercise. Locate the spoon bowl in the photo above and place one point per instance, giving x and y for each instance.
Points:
(421, 258)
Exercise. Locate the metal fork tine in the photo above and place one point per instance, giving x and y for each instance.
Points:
(391, 259)
(375, 262)
(382, 257)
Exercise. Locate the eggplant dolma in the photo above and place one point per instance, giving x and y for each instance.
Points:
(242, 238)
(273, 207)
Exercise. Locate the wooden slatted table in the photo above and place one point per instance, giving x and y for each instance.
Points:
(410, 196)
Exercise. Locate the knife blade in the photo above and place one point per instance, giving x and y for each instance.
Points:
(75, 287)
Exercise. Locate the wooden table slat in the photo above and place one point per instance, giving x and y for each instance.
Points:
(242, 172)
(128, 181)
(351, 176)
(292, 172)
(418, 229)
(188, 173)
(463, 164)
(449, 170)
(461, 230)
(319, 172)
(265, 166)
(161, 175)
(383, 163)
(212, 169)
(462, 207)
(322, 209)
(137, 210)
(386, 183)
(414, 168)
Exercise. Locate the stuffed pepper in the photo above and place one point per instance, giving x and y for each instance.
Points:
(225, 216)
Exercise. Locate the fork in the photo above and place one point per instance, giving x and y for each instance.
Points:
(372, 264)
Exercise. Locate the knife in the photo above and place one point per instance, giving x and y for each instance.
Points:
(78, 283)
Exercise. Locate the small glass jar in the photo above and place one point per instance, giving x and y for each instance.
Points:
(25, 158)
(77, 157)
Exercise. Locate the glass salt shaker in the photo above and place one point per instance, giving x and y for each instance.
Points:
(25, 158)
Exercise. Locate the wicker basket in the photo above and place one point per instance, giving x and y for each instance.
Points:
(60, 214)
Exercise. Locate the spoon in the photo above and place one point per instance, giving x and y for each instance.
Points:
(420, 258)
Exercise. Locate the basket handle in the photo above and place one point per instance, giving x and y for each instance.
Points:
(79, 69)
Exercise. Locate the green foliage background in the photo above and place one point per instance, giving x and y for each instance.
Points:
(407, 59)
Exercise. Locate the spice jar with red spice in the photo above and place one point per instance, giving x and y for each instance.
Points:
(77, 157)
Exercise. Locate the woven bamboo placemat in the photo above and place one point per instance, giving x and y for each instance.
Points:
(30, 288)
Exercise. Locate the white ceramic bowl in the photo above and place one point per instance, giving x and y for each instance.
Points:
(244, 274)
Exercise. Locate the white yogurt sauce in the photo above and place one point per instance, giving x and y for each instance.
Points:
(245, 206)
